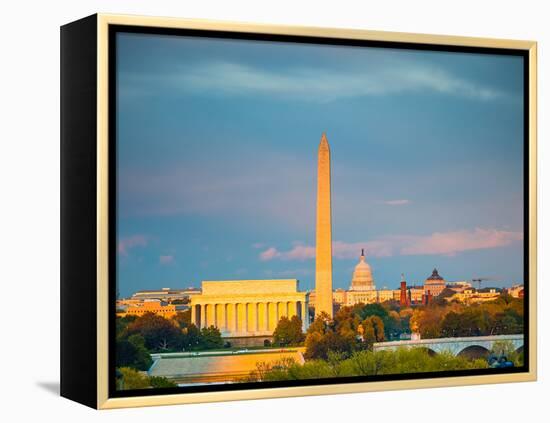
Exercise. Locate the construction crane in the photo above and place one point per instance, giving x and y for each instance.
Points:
(479, 280)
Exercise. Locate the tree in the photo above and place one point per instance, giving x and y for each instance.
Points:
(183, 318)
(369, 336)
(131, 352)
(378, 326)
(371, 330)
(321, 323)
(288, 331)
(211, 338)
(122, 325)
(319, 345)
(191, 338)
(374, 309)
(390, 318)
(451, 325)
(427, 321)
(132, 379)
(161, 382)
(314, 347)
(159, 333)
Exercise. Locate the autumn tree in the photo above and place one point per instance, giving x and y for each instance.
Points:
(183, 318)
(288, 331)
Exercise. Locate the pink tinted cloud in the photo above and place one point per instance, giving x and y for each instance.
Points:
(166, 259)
(298, 252)
(451, 243)
(397, 202)
(126, 244)
(269, 254)
(438, 243)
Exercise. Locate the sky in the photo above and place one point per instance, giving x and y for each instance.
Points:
(217, 158)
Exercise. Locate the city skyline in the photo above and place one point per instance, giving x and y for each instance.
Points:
(217, 174)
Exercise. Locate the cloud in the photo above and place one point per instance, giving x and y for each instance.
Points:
(164, 260)
(314, 84)
(269, 254)
(438, 243)
(126, 244)
(396, 202)
(451, 243)
(298, 252)
(212, 188)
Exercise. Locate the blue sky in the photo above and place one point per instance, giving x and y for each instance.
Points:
(217, 144)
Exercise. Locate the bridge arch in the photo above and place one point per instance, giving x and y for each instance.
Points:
(472, 352)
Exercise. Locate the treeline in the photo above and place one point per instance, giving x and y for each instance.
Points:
(357, 328)
(364, 363)
(354, 329)
(138, 337)
(130, 378)
(346, 333)
(503, 316)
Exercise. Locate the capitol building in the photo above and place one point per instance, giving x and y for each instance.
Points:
(363, 290)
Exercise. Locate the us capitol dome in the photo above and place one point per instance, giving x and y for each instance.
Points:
(362, 279)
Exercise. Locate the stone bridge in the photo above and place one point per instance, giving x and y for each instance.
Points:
(473, 346)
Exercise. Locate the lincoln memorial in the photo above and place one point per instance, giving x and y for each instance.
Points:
(248, 307)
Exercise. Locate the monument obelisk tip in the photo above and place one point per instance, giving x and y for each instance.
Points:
(323, 145)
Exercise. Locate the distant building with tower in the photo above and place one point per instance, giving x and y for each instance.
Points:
(434, 284)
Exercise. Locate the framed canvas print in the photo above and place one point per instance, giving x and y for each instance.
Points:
(254, 211)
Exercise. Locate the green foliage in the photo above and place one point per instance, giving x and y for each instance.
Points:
(319, 345)
(374, 309)
(210, 338)
(288, 331)
(131, 352)
(392, 323)
(122, 325)
(161, 382)
(160, 334)
(182, 318)
(137, 337)
(348, 332)
(365, 363)
(507, 350)
(504, 316)
(191, 339)
(377, 331)
(132, 379)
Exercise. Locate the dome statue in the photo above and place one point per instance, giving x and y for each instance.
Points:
(362, 276)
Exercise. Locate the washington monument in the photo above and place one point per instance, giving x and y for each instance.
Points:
(323, 248)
